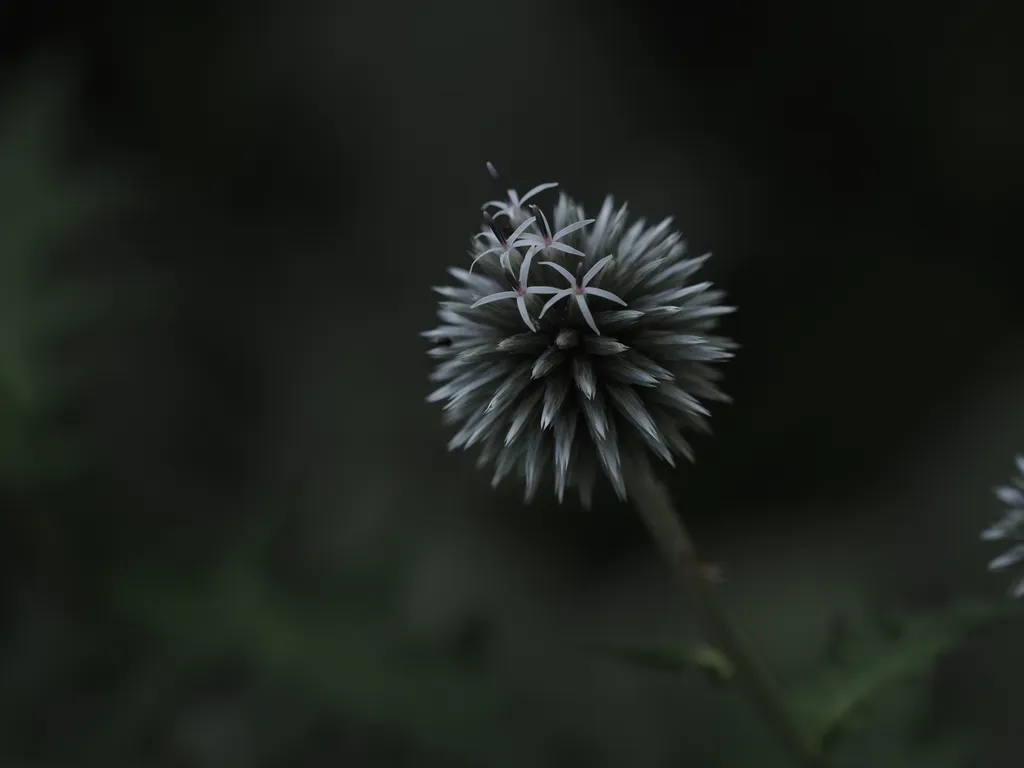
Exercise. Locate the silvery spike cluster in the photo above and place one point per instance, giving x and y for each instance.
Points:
(569, 344)
(1010, 527)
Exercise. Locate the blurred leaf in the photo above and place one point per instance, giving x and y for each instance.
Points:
(347, 658)
(893, 729)
(672, 657)
(44, 205)
(831, 704)
(146, 696)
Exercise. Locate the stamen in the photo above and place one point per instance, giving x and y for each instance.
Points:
(516, 285)
(545, 227)
(492, 225)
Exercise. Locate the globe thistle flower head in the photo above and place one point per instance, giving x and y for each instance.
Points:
(585, 344)
(1010, 527)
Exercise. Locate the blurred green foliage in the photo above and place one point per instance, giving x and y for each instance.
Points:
(673, 657)
(866, 666)
(42, 208)
(343, 660)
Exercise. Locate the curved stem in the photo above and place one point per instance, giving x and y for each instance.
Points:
(655, 507)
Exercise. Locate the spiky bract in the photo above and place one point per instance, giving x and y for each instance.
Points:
(614, 358)
(1011, 527)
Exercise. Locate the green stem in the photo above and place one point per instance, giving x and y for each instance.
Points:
(655, 506)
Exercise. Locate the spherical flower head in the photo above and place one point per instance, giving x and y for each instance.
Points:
(1010, 527)
(576, 345)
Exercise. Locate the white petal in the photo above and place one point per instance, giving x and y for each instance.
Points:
(530, 238)
(604, 295)
(519, 230)
(553, 300)
(524, 269)
(567, 249)
(582, 301)
(521, 301)
(563, 272)
(506, 258)
(572, 228)
(592, 272)
(537, 190)
(495, 297)
(543, 226)
(495, 249)
(482, 254)
(544, 289)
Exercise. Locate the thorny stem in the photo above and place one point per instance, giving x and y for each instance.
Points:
(652, 500)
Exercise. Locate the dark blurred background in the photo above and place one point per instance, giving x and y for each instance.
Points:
(230, 533)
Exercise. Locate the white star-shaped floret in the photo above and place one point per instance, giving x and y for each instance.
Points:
(512, 209)
(548, 240)
(582, 290)
(519, 293)
(505, 246)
